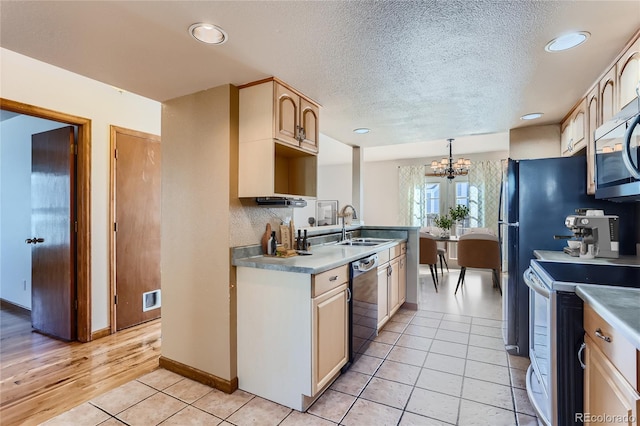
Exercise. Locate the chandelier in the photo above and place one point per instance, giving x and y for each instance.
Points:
(448, 168)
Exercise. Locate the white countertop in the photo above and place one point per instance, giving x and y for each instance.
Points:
(616, 305)
(560, 256)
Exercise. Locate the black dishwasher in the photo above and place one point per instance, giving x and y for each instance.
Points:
(363, 306)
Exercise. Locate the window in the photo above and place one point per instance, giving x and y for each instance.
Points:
(439, 196)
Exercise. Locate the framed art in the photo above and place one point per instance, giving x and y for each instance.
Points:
(326, 212)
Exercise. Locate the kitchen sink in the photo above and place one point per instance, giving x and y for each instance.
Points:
(363, 242)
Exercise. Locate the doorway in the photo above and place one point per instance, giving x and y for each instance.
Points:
(83, 210)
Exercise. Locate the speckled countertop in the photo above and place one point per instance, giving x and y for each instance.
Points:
(324, 257)
(619, 306)
(560, 256)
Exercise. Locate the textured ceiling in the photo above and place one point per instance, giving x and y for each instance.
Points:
(412, 71)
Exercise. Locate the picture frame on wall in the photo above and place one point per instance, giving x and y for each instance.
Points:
(326, 212)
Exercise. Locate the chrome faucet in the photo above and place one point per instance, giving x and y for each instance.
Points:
(343, 213)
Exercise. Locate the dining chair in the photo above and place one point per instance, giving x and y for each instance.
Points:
(441, 247)
(429, 255)
(478, 250)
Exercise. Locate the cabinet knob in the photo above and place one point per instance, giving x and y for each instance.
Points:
(599, 334)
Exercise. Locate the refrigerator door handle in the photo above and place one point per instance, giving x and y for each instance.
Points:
(512, 224)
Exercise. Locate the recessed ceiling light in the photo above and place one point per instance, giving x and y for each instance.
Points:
(208, 33)
(361, 130)
(567, 41)
(531, 116)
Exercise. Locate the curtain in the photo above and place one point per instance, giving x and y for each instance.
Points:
(484, 189)
(410, 193)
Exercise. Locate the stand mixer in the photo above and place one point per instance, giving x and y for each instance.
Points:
(598, 233)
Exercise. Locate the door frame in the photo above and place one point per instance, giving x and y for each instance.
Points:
(83, 200)
(114, 130)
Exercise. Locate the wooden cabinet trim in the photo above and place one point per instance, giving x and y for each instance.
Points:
(277, 80)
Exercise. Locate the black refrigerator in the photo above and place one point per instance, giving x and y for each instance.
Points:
(537, 196)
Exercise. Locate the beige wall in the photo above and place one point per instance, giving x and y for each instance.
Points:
(534, 142)
(32, 82)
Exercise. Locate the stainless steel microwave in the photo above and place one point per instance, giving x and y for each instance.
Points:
(617, 158)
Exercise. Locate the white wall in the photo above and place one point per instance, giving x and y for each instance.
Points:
(15, 205)
(534, 142)
(36, 83)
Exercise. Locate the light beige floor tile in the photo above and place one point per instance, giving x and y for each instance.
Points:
(387, 392)
(523, 404)
(398, 372)
(430, 314)
(397, 327)
(407, 311)
(414, 342)
(111, 422)
(452, 336)
(188, 390)
(366, 365)
(152, 410)
(440, 381)
(433, 404)
(378, 350)
(366, 412)
(486, 331)
(449, 348)
(487, 393)
(411, 419)
(259, 411)
(84, 414)
(490, 356)
(518, 378)
(160, 379)
(221, 404)
(445, 363)
(425, 322)
(388, 337)
(486, 342)
(297, 418)
(420, 331)
(524, 420)
(332, 405)
(455, 326)
(351, 382)
(476, 414)
(458, 318)
(402, 318)
(487, 372)
(488, 322)
(123, 397)
(519, 362)
(407, 355)
(191, 416)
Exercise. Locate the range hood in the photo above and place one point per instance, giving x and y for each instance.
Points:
(280, 202)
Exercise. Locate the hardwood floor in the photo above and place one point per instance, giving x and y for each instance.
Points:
(41, 377)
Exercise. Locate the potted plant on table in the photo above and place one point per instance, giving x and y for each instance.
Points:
(458, 214)
(443, 222)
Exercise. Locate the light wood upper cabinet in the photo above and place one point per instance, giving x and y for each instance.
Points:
(608, 96)
(593, 103)
(628, 69)
(573, 130)
(277, 154)
(296, 119)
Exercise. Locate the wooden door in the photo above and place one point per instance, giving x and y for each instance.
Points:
(383, 295)
(629, 74)
(53, 212)
(402, 279)
(608, 96)
(309, 121)
(394, 286)
(136, 195)
(592, 125)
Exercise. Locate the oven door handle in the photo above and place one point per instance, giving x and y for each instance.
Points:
(626, 149)
(531, 280)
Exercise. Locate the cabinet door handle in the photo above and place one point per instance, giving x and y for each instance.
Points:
(602, 336)
(580, 351)
(333, 278)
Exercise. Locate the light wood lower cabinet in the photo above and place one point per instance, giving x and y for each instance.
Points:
(330, 342)
(392, 283)
(402, 280)
(383, 295)
(394, 286)
(609, 398)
